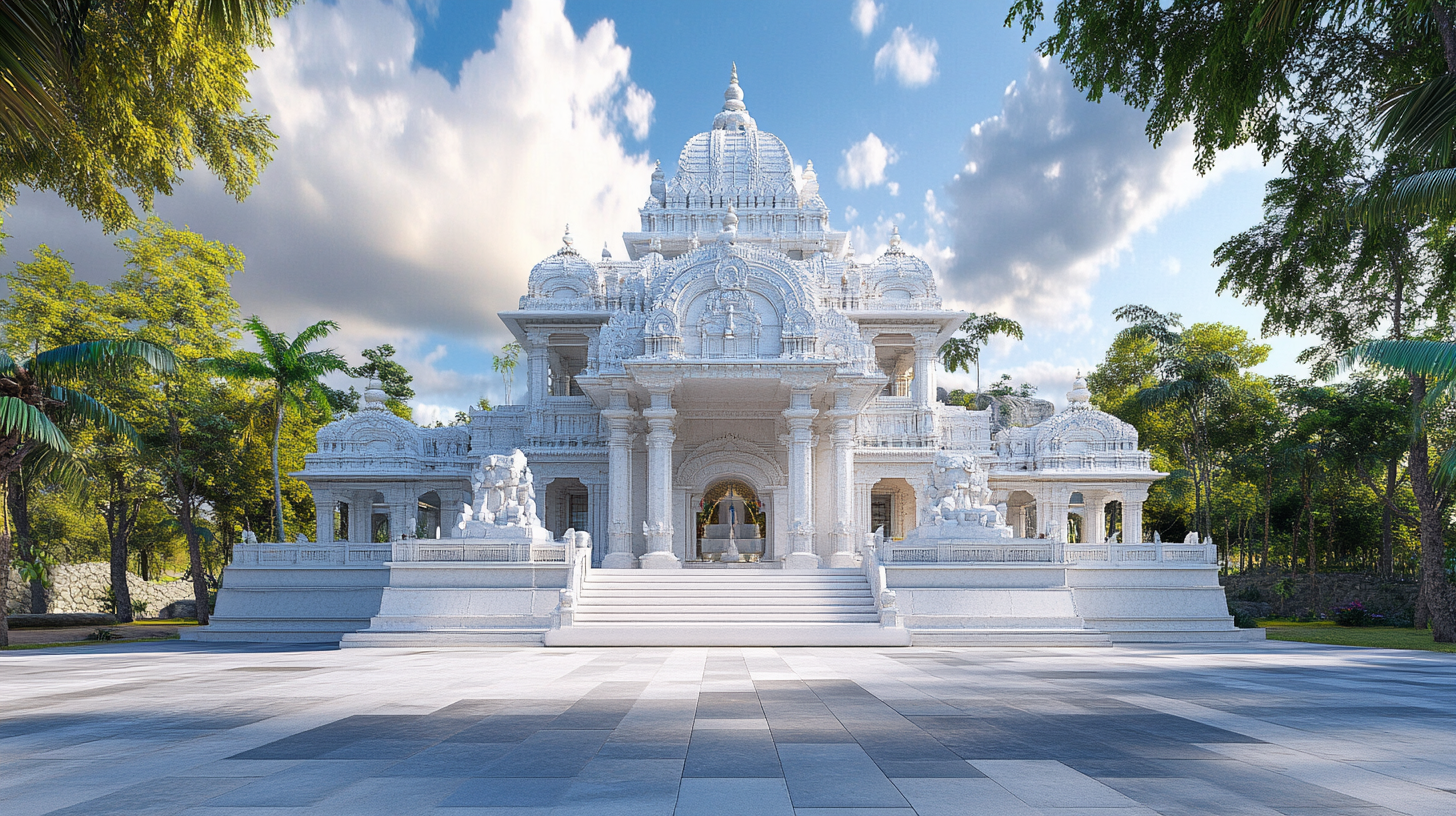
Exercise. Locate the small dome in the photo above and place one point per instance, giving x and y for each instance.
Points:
(1079, 395)
(733, 159)
(565, 275)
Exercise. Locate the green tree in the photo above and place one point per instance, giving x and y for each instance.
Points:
(38, 398)
(961, 352)
(293, 372)
(109, 101)
(394, 380)
(176, 292)
(1302, 81)
(505, 364)
(46, 308)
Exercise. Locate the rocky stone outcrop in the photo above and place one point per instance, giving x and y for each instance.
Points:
(83, 588)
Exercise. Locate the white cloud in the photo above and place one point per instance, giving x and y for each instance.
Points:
(893, 187)
(850, 213)
(405, 208)
(1054, 189)
(866, 15)
(909, 56)
(865, 162)
(637, 108)
(1171, 266)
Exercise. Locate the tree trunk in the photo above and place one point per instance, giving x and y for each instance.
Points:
(186, 508)
(1436, 593)
(119, 519)
(25, 539)
(6, 553)
(277, 481)
(1268, 501)
(1387, 524)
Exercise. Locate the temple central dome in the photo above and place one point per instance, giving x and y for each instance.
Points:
(733, 160)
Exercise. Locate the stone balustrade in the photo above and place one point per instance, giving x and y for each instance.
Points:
(1045, 551)
(480, 550)
(305, 554)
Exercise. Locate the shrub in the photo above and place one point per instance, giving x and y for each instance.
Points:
(1353, 613)
(1250, 593)
(1243, 619)
(103, 634)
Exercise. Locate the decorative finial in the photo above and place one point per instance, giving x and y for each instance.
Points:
(894, 241)
(734, 115)
(566, 243)
(374, 396)
(606, 253)
(811, 181)
(848, 249)
(1079, 396)
(694, 244)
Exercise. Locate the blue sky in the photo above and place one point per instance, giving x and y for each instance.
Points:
(430, 153)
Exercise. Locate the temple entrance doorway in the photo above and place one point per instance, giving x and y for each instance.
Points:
(731, 523)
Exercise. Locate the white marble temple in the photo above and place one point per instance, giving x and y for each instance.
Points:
(743, 360)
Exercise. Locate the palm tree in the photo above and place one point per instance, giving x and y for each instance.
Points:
(1192, 380)
(959, 353)
(294, 373)
(505, 365)
(38, 396)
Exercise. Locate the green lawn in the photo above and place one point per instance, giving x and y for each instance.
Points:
(117, 642)
(1381, 637)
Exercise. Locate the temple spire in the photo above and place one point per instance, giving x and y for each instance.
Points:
(734, 115)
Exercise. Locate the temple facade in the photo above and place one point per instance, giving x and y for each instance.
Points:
(741, 352)
(731, 437)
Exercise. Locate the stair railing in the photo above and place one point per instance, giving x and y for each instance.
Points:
(885, 600)
(578, 545)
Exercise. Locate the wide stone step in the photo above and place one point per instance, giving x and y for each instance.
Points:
(727, 634)
(720, 600)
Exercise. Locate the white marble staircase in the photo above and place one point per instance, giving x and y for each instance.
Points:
(726, 607)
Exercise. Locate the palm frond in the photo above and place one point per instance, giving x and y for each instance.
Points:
(20, 417)
(99, 355)
(1411, 197)
(40, 42)
(248, 19)
(88, 409)
(313, 334)
(1429, 358)
(1420, 118)
(243, 366)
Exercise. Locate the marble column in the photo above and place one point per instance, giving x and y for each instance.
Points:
(844, 535)
(660, 439)
(1094, 516)
(403, 506)
(597, 500)
(619, 477)
(1132, 515)
(361, 516)
(800, 418)
(538, 368)
(323, 510)
(924, 395)
(451, 502)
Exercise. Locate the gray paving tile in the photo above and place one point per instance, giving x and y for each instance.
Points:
(732, 753)
(741, 797)
(835, 776)
(960, 797)
(303, 785)
(548, 753)
(450, 759)
(508, 792)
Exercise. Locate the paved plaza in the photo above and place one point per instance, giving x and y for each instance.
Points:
(1266, 728)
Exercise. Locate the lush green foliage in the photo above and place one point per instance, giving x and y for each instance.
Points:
(110, 101)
